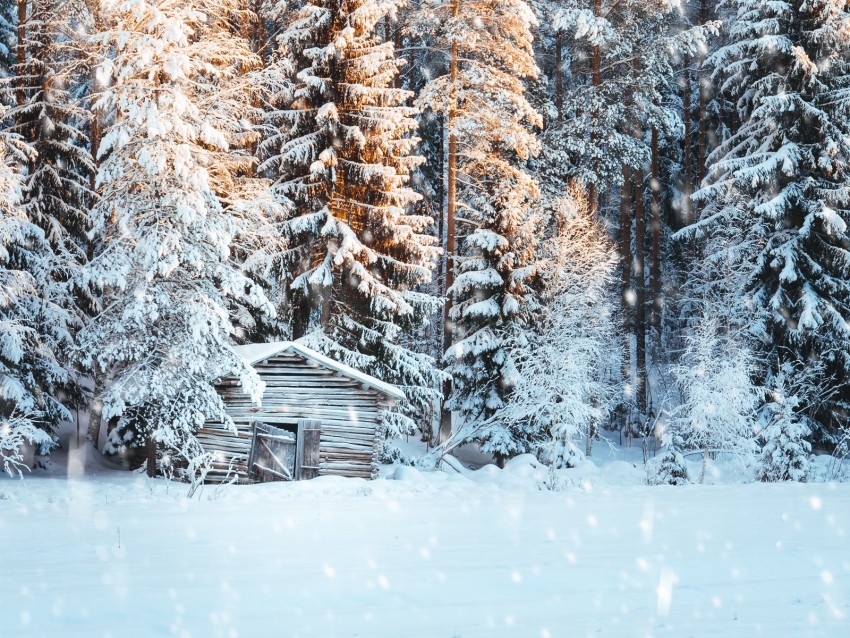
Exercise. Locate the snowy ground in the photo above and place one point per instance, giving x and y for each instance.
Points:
(88, 551)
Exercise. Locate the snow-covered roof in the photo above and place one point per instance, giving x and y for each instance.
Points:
(255, 352)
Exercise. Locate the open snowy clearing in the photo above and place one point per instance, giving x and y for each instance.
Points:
(433, 555)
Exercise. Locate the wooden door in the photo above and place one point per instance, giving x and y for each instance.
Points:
(273, 452)
(307, 457)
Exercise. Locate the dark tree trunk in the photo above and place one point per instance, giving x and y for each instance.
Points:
(151, 460)
(687, 173)
(655, 241)
(21, 52)
(640, 294)
(96, 408)
(704, 88)
(596, 80)
(626, 274)
(451, 204)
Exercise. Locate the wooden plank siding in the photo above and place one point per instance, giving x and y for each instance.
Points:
(351, 417)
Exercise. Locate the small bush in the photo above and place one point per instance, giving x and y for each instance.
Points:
(667, 469)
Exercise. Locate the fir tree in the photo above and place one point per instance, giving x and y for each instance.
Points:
(8, 37)
(33, 327)
(785, 455)
(56, 192)
(492, 122)
(777, 188)
(164, 329)
(341, 156)
(667, 469)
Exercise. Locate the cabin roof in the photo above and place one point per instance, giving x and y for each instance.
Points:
(256, 352)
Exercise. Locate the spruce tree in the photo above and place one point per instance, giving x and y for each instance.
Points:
(785, 423)
(56, 192)
(776, 197)
(163, 263)
(785, 455)
(668, 468)
(33, 383)
(341, 155)
(491, 130)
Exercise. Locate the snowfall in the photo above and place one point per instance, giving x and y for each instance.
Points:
(91, 550)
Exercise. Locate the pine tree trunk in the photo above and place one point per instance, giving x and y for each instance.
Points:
(596, 80)
(639, 275)
(259, 32)
(96, 125)
(96, 408)
(626, 236)
(655, 241)
(451, 204)
(21, 52)
(396, 39)
(640, 295)
(703, 96)
(687, 177)
(627, 294)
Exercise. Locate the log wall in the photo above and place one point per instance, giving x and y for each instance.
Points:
(296, 388)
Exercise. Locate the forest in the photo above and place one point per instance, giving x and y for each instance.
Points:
(541, 219)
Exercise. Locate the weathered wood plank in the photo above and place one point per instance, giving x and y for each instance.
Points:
(309, 435)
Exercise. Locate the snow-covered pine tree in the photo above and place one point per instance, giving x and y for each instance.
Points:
(341, 153)
(56, 193)
(785, 455)
(777, 188)
(593, 137)
(668, 468)
(719, 399)
(164, 240)
(566, 362)
(8, 37)
(33, 383)
(490, 127)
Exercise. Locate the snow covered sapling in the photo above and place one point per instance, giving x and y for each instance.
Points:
(719, 398)
(668, 468)
(785, 455)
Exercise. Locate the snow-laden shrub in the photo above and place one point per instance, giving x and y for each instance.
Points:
(17, 431)
(717, 414)
(554, 481)
(392, 454)
(667, 469)
(785, 455)
(564, 454)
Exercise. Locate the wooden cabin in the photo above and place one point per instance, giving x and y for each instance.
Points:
(317, 417)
